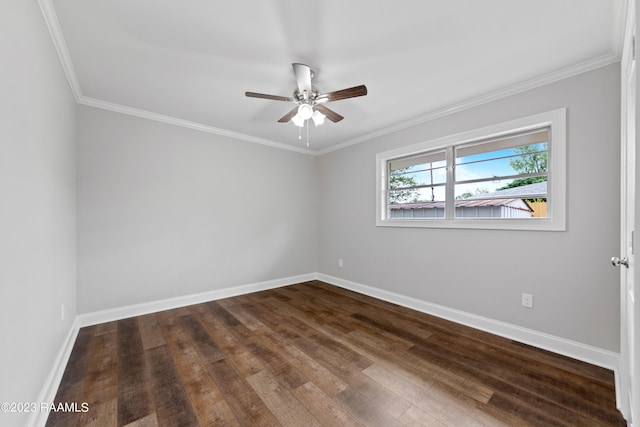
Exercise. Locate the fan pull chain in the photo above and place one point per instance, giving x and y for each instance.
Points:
(307, 123)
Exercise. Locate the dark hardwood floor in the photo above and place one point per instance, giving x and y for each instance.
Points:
(315, 354)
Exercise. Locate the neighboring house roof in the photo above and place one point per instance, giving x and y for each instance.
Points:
(464, 203)
(511, 197)
(531, 191)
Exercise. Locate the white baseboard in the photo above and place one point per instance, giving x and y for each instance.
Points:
(51, 384)
(94, 318)
(573, 349)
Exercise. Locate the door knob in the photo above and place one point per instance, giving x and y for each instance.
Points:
(620, 261)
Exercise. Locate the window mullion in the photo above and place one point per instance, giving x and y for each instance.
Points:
(449, 207)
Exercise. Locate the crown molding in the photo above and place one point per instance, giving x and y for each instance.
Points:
(91, 102)
(495, 95)
(51, 19)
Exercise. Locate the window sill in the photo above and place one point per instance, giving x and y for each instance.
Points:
(524, 224)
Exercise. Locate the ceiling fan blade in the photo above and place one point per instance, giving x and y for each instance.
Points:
(265, 96)
(331, 115)
(337, 95)
(288, 116)
(303, 78)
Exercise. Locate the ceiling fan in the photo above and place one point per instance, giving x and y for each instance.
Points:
(310, 102)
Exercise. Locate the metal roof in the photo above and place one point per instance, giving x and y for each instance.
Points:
(531, 191)
(466, 203)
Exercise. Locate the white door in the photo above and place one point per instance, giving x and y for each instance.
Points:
(628, 392)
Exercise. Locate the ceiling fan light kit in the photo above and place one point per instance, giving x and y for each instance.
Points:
(310, 101)
(318, 118)
(305, 111)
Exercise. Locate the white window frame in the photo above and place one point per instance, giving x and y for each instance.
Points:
(556, 187)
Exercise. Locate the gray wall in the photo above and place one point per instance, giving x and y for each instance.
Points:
(165, 211)
(37, 205)
(485, 272)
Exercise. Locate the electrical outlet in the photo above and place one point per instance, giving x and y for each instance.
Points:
(340, 263)
(527, 300)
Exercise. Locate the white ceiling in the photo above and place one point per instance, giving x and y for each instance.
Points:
(190, 61)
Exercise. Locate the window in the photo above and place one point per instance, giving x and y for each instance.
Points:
(507, 176)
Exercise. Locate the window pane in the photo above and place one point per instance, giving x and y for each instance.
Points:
(522, 160)
(414, 195)
(412, 177)
(493, 179)
(426, 202)
(417, 186)
(504, 180)
(511, 141)
(419, 161)
(493, 208)
(418, 209)
(524, 188)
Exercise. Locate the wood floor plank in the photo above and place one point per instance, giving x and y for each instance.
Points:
(449, 389)
(134, 399)
(383, 397)
(412, 366)
(368, 340)
(336, 356)
(604, 377)
(106, 328)
(206, 398)
(421, 397)
(100, 415)
(269, 353)
(323, 407)
(73, 379)
(243, 361)
(548, 382)
(306, 365)
(149, 421)
(282, 403)
(207, 348)
(100, 384)
(538, 408)
(150, 332)
(172, 404)
(398, 317)
(415, 417)
(316, 354)
(234, 307)
(446, 380)
(356, 326)
(364, 410)
(245, 403)
(391, 403)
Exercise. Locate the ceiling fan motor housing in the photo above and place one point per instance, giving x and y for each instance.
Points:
(300, 96)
